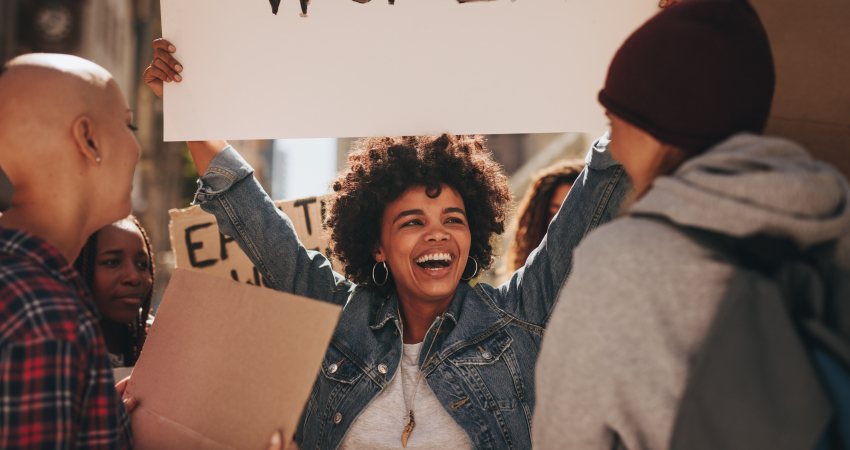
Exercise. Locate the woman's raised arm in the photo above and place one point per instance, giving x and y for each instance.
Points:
(245, 212)
(165, 68)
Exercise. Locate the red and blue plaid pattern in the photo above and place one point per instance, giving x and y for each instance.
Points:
(56, 385)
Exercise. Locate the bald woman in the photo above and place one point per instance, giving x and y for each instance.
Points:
(68, 148)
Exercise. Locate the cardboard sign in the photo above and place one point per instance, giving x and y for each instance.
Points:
(226, 364)
(811, 50)
(198, 245)
(413, 68)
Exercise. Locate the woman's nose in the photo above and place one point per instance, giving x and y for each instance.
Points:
(438, 235)
(132, 276)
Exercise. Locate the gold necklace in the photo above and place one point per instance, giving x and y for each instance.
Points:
(411, 420)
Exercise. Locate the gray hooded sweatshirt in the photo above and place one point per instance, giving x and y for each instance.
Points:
(644, 296)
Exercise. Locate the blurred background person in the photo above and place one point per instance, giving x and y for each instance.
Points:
(117, 265)
(539, 205)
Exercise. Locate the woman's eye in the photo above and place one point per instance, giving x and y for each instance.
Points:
(142, 265)
(132, 127)
(411, 223)
(110, 263)
(457, 220)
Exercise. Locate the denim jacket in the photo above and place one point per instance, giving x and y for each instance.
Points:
(481, 362)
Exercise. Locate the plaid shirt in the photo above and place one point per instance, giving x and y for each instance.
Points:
(56, 385)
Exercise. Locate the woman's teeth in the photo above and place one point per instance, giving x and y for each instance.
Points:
(434, 261)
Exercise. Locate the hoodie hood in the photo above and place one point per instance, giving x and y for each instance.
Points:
(754, 185)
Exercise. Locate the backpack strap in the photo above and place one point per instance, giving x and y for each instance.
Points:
(753, 375)
(811, 286)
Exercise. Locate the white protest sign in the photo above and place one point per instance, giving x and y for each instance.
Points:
(198, 245)
(416, 67)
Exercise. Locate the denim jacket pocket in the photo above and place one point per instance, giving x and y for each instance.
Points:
(491, 371)
(485, 352)
(338, 368)
(335, 395)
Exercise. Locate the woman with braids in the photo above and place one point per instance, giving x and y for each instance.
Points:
(117, 265)
(422, 357)
(540, 204)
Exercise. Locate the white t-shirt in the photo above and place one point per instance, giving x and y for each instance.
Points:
(380, 425)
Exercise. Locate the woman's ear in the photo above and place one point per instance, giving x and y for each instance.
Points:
(379, 254)
(672, 158)
(82, 132)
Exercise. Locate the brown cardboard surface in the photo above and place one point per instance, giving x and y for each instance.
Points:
(226, 364)
(830, 143)
(198, 244)
(811, 49)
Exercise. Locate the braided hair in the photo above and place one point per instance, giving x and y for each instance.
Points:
(533, 217)
(137, 330)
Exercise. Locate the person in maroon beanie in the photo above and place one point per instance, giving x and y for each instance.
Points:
(672, 330)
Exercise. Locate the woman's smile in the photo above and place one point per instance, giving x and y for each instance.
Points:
(425, 242)
(436, 264)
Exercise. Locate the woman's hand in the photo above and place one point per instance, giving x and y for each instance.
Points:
(129, 402)
(163, 68)
(276, 442)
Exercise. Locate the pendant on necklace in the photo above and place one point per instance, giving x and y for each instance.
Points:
(408, 429)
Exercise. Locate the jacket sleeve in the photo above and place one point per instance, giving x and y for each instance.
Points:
(245, 212)
(595, 198)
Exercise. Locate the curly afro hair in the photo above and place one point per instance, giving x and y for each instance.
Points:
(381, 169)
(533, 217)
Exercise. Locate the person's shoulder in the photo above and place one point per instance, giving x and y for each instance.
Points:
(641, 236)
(644, 256)
(641, 275)
(36, 305)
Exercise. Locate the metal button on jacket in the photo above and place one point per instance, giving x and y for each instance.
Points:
(332, 368)
(382, 368)
(486, 355)
(337, 418)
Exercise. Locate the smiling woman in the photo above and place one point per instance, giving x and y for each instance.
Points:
(438, 201)
(421, 357)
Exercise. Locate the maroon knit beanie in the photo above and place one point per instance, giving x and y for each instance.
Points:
(694, 74)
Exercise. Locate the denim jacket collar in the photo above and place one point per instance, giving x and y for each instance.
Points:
(453, 312)
(389, 308)
(387, 311)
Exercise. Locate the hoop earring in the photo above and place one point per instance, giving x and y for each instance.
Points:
(386, 277)
(474, 273)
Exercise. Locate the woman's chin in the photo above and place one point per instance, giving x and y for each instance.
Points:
(122, 316)
(439, 290)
